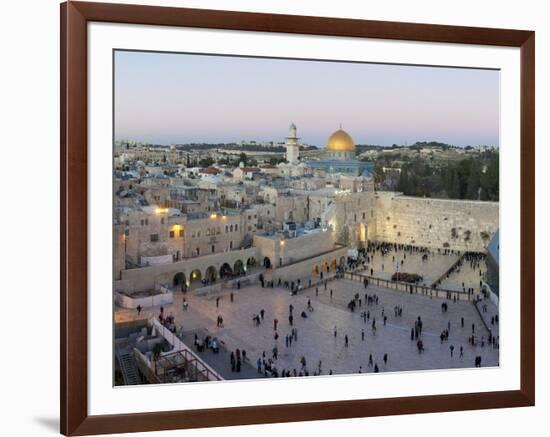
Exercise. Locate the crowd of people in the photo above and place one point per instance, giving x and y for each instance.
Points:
(372, 315)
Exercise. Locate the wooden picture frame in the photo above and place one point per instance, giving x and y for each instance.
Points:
(74, 212)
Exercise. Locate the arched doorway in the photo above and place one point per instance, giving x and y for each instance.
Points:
(315, 269)
(342, 261)
(226, 271)
(333, 264)
(250, 262)
(195, 276)
(267, 263)
(238, 267)
(211, 274)
(324, 267)
(179, 280)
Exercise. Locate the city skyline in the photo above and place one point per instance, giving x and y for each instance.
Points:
(255, 99)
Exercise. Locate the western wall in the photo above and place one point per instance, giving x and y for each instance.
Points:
(464, 225)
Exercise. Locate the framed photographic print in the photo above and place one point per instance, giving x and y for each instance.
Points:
(271, 218)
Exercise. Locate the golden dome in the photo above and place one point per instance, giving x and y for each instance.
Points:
(340, 141)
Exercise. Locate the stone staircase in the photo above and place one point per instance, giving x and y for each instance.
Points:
(128, 367)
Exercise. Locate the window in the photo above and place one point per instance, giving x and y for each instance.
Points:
(213, 249)
(154, 238)
(226, 229)
(249, 217)
(198, 234)
(207, 232)
(218, 231)
(231, 228)
(162, 220)
(231, 245)
(171, 234)
(198, 251)
(236, 228)
(181, 232)
(142, 222)
(250, 228)
(363, 216)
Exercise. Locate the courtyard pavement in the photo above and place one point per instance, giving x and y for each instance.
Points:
(316, 341)
(384, 266)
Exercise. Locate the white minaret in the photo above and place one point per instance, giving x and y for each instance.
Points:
(292, 147)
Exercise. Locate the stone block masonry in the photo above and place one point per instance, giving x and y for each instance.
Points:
(464, 225)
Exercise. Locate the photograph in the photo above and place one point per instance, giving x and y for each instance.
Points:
(288, 218)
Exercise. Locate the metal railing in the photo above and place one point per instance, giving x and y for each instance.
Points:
(410, 287)
(182, 365)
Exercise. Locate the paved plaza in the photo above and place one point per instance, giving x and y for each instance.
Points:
(315, 334)
(437, 264)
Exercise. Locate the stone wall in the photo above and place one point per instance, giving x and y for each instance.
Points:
(282, 251)
(310, 268)
(438, 223)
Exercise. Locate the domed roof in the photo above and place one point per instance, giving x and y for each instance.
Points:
(340, 141)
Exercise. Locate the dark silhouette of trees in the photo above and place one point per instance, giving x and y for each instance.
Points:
(469, 178)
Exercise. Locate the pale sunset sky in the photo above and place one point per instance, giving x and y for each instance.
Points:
(167, 98)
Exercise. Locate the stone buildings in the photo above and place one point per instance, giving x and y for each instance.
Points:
(296, 219)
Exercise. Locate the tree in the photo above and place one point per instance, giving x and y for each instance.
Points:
(206, 161)
(243, 158)
(403, 184)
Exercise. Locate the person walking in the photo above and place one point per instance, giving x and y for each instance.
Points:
(218, 302)
(275, 322)
(362, 335)
(346, 340)
(138, 308)
(385, 359)
(232, 361)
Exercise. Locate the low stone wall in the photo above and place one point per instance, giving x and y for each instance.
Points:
(303, 270)
(209, 289)
(125, 301)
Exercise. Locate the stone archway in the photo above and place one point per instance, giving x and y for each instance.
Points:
(179, 280)
(238, 267)
(226, 271)
(250, 262)
(267, 263)
(195, 276)
(333, 265)
(211, 274)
